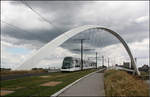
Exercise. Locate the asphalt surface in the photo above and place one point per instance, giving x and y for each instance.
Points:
(90, 86)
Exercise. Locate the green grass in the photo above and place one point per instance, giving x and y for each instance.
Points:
(30, 86)
(16, 72)
(120, 83)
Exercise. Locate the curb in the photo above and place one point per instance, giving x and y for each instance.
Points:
(68, 86)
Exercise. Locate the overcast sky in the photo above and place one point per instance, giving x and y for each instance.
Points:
(24, 32)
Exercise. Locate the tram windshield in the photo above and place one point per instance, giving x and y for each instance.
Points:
(67, 63)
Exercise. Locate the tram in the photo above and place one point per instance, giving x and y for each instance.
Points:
(74, 64)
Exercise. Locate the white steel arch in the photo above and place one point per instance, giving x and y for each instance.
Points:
(42, 52)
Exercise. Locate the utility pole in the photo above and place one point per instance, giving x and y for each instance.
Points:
(82, 54)
(96, 60)
(102, 60)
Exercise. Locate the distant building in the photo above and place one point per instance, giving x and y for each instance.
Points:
(144, 68)
(5, 69)
(126, 65)
(116, 65)
(37, 68)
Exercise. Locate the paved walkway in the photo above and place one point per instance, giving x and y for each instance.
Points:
(89, 86)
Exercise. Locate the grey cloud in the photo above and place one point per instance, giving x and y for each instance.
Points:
(66, 15)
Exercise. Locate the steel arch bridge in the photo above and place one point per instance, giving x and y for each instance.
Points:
(42, 52)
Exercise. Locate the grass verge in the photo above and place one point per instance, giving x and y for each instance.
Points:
(31, 86)
(120, 83)
(6, 73)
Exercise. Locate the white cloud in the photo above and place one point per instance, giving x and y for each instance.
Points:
(114, 14)
(10, 59)
(22, 17)
(142, 19)
(141, 51)
(117, 52)
(56, 57)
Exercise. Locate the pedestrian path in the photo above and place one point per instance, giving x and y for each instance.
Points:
(92, 85)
